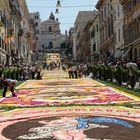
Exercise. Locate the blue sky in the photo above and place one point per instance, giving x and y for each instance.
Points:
(67, 15)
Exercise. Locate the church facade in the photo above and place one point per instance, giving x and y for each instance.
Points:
(51, 37)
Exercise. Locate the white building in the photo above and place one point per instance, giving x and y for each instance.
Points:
(95, 39)
(81, 20)
(37, 20)
(72, 42)
(51, 37)
(118, 28)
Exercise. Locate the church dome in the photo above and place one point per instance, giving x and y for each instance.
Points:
(52, 17)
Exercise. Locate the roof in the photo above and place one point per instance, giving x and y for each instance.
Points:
(83, 17)
(98, 4)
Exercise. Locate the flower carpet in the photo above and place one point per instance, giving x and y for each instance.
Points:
(68, 123)
(68, 109)
(66, 92)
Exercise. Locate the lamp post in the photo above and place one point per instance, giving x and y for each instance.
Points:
(56, 11)
(58, 3)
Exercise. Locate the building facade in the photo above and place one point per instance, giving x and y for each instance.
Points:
(131, 10)
(4, 39)
(51, 37)
(24, 55)
(35, 37)
(85, 51)
(11, 16)
(95, 39)
(19, 32)
(80, 23)
(118, 28)
(15, 32)
(107, 48)
(71, 43)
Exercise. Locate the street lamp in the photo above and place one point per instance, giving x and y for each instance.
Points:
(58, 4)
(56, 11)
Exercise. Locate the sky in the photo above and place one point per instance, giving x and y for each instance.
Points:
(67, 12)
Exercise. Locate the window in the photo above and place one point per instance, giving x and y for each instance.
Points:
(109, 33)
(78, 35)
(94, 47)
(3, 44)
(36, 24)
(0, 42)
(50, 28)
(111, 26)
(97, 27)
(118, 11)
(104, 12)
(135, 2)
(119, 38)
(36, 38)
(36, 17)
(50, 44)
(115, 38)
(0, 60)
(102, 15)
(37, 31)
(92, 34)
(114, 14)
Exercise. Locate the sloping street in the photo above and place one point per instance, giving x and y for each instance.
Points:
(68, 109)
(69, 70)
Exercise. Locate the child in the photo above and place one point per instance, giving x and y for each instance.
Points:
(5, 83)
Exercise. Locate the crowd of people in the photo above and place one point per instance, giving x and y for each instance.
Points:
(119, 71)
(21, 72)
(52, 65)
(9, 75)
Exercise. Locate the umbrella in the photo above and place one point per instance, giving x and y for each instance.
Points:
(131, 64)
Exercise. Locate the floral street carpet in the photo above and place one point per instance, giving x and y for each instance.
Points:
(66, 92)
(70, 123)
(58, 108)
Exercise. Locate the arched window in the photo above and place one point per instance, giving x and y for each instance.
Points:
(50, 28)
(50, 45)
